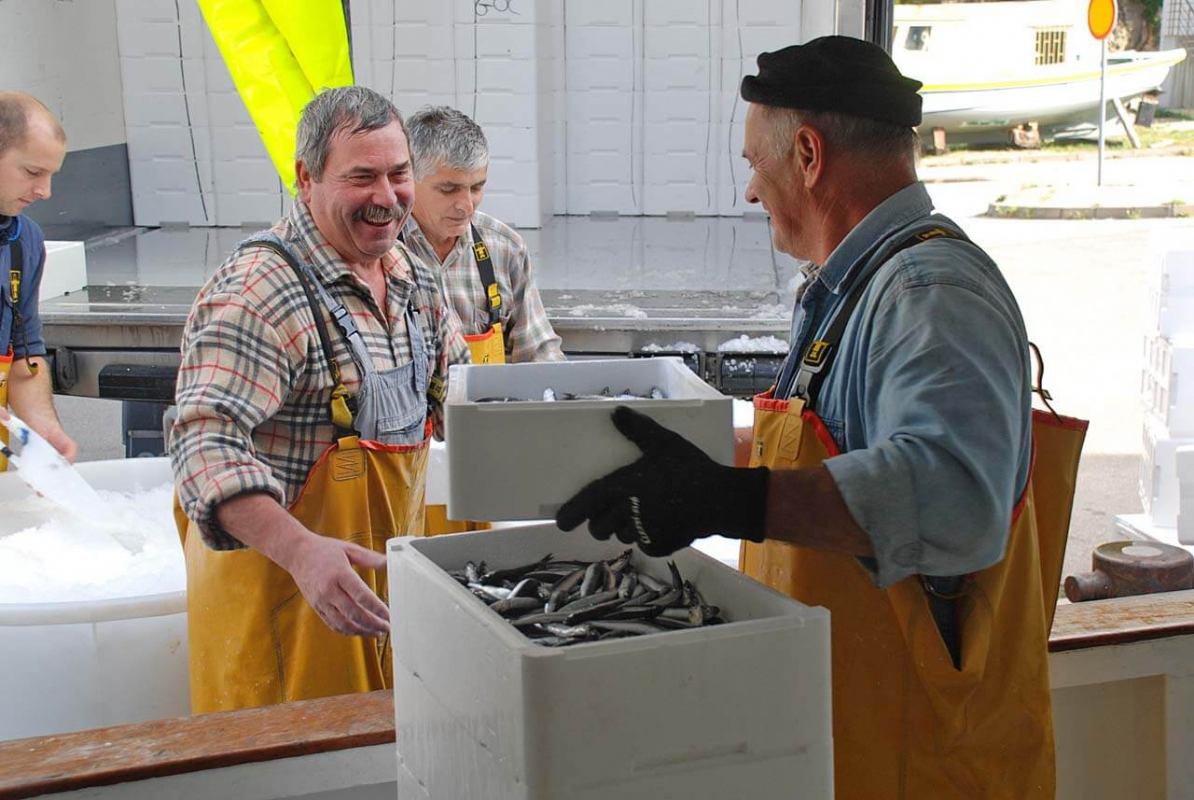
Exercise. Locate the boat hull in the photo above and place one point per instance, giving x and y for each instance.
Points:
(1046, 98)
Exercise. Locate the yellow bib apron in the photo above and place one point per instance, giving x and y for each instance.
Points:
(254, 640)
(488, 347)
(484, 348)
(906, 722)
(5, 368)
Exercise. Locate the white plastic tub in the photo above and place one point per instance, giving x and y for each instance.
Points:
(67, 666)
(734, 710)
(522, 460)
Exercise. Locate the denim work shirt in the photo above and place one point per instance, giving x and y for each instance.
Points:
(28, 341)
(929, 395)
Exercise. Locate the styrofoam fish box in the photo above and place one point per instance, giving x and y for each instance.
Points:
(1167, 384)
(65, 269)
(1170, 294)
(734, 710)
(524, 459)
(1160, 490)
(1142, 528)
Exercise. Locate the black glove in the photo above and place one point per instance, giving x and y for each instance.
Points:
(672, 495)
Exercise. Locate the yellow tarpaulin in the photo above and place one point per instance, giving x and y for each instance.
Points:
(280, 53)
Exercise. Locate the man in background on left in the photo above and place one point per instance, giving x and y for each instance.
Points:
(32, 148)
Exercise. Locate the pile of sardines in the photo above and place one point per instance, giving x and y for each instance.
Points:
(557, 603)
(550, 395)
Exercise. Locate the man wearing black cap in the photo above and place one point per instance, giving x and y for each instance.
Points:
(890, 463)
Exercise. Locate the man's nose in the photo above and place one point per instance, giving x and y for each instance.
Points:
(42, 188)
(384, 194)
(751, 195)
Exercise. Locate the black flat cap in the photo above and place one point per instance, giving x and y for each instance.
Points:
(836, 73)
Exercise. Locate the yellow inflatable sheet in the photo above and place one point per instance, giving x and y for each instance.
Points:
(280, 53)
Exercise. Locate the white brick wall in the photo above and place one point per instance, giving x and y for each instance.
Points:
(194, 155)
(626, 105)
(64, 54)
(492, 59)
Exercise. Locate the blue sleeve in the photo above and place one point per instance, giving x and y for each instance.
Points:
(946, 405)
(28, 341)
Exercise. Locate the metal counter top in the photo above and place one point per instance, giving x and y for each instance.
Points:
(612, 286)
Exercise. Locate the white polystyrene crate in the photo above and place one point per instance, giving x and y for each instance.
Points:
(1143, 528)
(1159, 486)
(1177, 271)
(522, 460)
(1170, 293)
(65, 269)
(734, 710)
(1167, 385)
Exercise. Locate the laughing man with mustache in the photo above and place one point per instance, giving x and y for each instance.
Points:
(314, 365)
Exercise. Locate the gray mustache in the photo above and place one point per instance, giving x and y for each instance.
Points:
(380, 214)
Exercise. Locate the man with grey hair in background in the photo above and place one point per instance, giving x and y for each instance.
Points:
(482, 262)
(32, 149)
(314, 367)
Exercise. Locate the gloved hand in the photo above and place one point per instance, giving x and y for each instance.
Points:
(669, 497)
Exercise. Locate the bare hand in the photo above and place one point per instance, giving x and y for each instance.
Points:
(323, 569)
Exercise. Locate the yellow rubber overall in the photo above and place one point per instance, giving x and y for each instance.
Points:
(254, 640)
(906, 722)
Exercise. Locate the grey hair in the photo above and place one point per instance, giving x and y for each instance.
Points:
(16, 109)
(847, 132)
(443, 136)
(354, 109)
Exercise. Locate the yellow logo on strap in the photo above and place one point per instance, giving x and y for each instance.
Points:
(480, 251)
(437, 390)
(14, 281)
(816, 352)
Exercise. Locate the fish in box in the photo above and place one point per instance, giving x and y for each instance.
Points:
(727, 710)
(522, 459)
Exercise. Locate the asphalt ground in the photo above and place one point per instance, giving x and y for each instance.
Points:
(1081, 284)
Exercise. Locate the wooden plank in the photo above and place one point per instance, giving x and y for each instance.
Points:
(1129, 128)
(105, 756)
(1100, 623)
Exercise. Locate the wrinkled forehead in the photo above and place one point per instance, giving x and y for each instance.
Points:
(386, 145)
(445, 176)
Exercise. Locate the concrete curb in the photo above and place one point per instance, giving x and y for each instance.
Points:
(1027, 209)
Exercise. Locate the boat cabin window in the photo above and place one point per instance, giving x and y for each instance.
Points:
(918, 37)
(1050, 45)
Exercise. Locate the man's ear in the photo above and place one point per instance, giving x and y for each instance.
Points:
(302, 180)
(809, 151)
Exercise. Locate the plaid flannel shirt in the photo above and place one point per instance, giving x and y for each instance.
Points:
(254, 385)
(528, 333)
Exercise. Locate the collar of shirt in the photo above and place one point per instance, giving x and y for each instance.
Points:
(905, 206)
(326, 261)
(7, 226)
(422, 246)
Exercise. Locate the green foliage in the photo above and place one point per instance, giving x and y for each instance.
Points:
(1152, 13)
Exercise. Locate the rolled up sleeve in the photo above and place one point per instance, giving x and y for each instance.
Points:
(946, 402)
(532, 337)
(234, 374)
